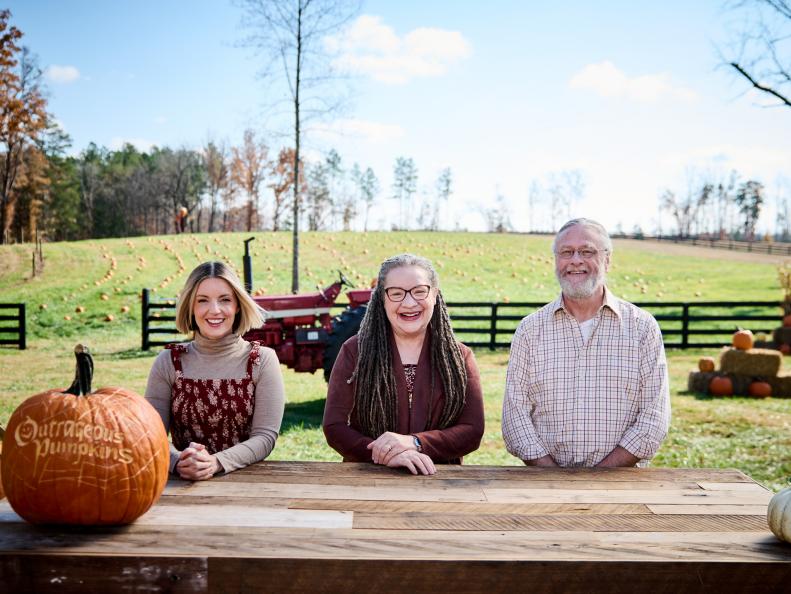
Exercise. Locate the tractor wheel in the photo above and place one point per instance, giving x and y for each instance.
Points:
(344, 327)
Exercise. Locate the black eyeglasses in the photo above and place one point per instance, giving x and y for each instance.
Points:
(419, 293)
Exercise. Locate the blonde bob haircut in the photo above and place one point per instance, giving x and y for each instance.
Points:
(250, 315)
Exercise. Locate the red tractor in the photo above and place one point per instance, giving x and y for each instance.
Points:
(300, 328)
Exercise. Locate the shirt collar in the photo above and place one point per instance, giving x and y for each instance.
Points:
(610, 301)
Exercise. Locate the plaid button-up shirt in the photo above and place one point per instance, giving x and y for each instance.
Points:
(577, 401)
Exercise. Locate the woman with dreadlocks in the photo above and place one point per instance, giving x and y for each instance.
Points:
(404, 392)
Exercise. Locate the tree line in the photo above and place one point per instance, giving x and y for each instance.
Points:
(218, 187)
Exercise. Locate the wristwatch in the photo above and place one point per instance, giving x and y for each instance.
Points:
(416, 441)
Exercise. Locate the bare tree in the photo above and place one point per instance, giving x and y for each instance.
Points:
(534, 197)
(686, 210)
(182, 179)
(404, 186)
(248, 168)
(750, 199)
(215, 156)
(764, 54)
(444, 187)
(282, 182)
(290, 34)
(497, 217)
(319, 201)
(369, 189)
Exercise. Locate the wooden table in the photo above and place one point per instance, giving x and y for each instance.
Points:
(313, 527)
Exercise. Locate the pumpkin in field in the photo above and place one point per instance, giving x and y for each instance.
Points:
(778, 515)
(721, 386)
(706, 364)
(83, 457)
(759, 389)
(743, 340)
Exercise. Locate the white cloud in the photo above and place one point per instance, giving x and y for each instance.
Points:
(750, 161)
(372, 48)
(61, 74)
(605, 79)
(141, 144)
(375, 132)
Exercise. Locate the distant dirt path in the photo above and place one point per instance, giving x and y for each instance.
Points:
(680, 249)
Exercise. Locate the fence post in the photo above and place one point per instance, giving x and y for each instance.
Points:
(144, 319)
(493, 328)
(685, 326)
(22, 328)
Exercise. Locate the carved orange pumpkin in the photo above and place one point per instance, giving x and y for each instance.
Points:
(706, 364)
(743, 340)
(759, 389)
(82, 457)
(721, 386)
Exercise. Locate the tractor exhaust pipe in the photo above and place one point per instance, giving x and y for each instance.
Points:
(248, 267)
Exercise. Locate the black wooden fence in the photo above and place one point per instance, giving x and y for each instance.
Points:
(684, 325)
(17, 328)
(486, 324)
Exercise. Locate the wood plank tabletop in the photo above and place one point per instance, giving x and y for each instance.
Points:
(326, 527)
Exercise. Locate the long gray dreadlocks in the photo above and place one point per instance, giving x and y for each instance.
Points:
(375, 396)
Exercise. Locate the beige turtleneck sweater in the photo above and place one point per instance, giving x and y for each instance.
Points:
(225, 358)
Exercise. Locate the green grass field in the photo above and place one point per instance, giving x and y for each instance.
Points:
(105, 278)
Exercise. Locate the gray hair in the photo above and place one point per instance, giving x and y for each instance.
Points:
(594, 226)
(407, 260)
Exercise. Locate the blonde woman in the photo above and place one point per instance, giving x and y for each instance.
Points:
(220, 397)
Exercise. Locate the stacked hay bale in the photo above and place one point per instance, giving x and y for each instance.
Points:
(781, 337)
(743, 370)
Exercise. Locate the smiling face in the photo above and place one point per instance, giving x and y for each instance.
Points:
(579, 277)
(215, 308)
(409, 318)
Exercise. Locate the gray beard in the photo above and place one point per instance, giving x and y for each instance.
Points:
(581, 291)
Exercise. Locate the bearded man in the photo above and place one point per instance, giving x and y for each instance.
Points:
(587, 378)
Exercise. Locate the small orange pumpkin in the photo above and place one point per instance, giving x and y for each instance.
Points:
(758, 389)
(83, 457)
(706, 364)
(743, 340)
(721, 385)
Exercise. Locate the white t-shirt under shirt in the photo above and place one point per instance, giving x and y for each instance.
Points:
(586, 328)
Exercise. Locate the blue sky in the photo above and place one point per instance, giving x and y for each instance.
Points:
(504, 93)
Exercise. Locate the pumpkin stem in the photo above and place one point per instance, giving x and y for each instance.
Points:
(83, 373)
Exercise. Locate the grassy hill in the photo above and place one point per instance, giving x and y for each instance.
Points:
(85, 283)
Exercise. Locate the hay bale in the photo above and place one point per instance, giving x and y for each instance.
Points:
(763, 363)
(765, 344)
(698, 381)
(781, 385)
(782, 335)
